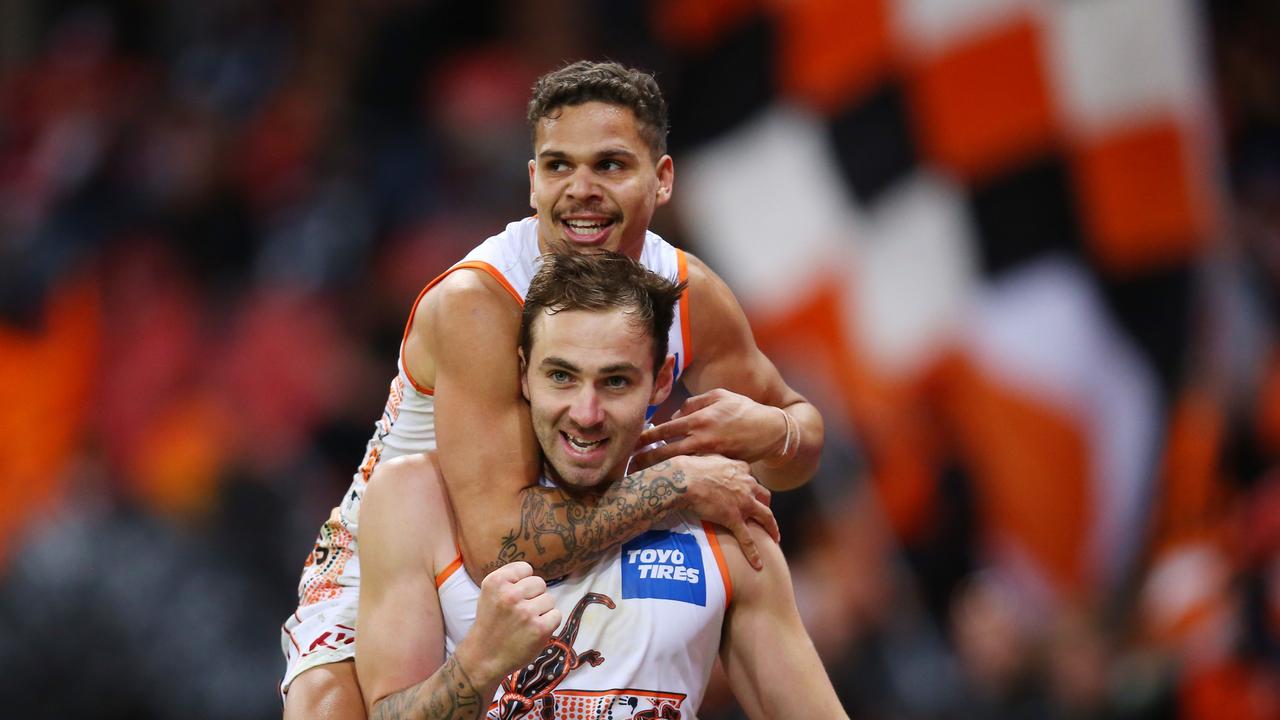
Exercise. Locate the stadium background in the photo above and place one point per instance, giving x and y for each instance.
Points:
(1022, 253)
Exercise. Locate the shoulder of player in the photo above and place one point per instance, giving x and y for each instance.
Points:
(707, 290)
(469, 284)
(716, 319)
(463, 293)
(748, 582)
(700, 276)
(406, 496)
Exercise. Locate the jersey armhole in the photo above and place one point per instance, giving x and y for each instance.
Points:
(714, 542)
(682, 265)
(448, 572)
(408, 325)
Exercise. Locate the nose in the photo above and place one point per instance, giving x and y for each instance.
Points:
(582, 184)
(586, 412)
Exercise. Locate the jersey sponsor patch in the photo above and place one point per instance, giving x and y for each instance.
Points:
(665, 565)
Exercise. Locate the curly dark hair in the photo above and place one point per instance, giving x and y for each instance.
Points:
(602, 281)
(608, 82)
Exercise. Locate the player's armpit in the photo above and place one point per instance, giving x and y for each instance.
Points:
(772, 665)
(725, 356)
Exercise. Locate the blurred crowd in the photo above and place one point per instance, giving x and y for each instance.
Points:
(213, 219)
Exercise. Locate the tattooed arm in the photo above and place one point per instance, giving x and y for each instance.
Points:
(405, 539)
(568, 530)
(449, 694)
(514, 620)
(463, 338)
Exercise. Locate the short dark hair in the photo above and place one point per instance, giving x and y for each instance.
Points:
(602, 281)
(608, 82)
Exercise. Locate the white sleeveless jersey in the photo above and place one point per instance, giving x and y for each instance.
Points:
(640, 633)
(407, 424)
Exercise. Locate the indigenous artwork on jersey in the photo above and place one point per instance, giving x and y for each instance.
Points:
(533, 691)
(535, 682)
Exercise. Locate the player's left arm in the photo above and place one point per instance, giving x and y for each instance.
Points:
(773, 668)
(742, 408)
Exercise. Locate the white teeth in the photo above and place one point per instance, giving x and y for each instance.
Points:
(582, 444)
(584, 227)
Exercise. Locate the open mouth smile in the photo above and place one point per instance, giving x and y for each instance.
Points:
(580, 445)
(587, 230)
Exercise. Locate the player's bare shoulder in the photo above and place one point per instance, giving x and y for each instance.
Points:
(407, 494)
(466, 305)
(716, 321)
(712, 304)
(466, 293)
(412, 480)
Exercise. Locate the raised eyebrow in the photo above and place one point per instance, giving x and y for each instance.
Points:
(556, 363)
(620, 368)
(616, 153)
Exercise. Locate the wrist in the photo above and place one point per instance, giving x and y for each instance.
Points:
(480, 667)
(790, 442)
(667, 483)
(688, 489)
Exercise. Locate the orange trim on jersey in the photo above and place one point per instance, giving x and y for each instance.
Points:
(714, 542)
(470, 264)
(683, 275)
(449, 571)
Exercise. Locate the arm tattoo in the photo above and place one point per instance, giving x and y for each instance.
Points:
(450, 695)
(589, 526)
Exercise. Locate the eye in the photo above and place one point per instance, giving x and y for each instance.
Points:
(617, 382)
(559, 377)
(556, 166)
(610, 165)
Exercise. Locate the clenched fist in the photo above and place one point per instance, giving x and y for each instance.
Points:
(514, 619)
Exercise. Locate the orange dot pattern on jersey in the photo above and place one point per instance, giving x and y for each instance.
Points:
(320, 578)
(1141, 201)
(985, 103)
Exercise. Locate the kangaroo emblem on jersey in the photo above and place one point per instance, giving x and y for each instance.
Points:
(545, 672)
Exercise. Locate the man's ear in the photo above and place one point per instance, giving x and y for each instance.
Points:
(662, 384)
(533, 202)
(524, 375)
(666, 179)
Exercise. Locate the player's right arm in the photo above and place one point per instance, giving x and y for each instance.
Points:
(404, 533)
(464, 336)
(772, 666)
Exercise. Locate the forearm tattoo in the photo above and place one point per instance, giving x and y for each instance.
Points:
(589, 526)
(449, 695)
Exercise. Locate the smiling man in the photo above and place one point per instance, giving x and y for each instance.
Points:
(599, 171)
(643, 625)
